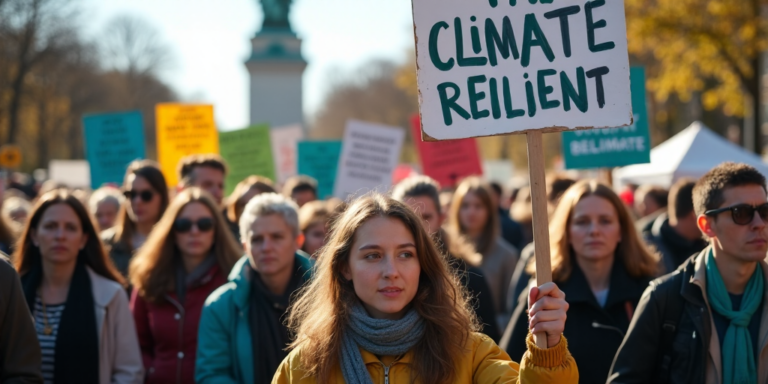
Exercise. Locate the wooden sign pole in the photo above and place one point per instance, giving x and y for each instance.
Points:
(540, 217)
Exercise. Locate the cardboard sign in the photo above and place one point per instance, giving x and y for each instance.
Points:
(368, 157)
(613, 147)
(73, 173)
(489, 67)
(182, 130)
(112, 141)
(284, 150)
(446, 161)
(320, 160)
(247, 152)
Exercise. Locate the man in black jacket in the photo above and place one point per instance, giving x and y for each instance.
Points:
(20, 358)
(678, 332)
(675, 234)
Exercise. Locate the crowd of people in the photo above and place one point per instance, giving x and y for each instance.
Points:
(142, 283)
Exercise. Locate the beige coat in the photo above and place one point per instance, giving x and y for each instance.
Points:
(119, 354)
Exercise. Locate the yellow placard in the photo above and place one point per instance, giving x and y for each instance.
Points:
(10, 156)
(182, 130)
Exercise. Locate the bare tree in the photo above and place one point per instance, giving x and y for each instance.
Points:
(131, 45)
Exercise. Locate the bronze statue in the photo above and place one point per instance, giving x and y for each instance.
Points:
(276, 13)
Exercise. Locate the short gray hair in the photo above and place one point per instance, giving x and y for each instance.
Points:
(269, 204)
(105, 195)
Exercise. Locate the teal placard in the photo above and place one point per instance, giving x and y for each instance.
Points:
(320, 160)
(613, 147)
(112, 141)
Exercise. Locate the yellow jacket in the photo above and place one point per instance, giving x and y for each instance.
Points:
(484, 363)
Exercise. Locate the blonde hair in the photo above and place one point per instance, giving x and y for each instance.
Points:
(637, 259)
(320, 314)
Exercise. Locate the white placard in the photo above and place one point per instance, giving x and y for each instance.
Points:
(369, 155)
(284, 141)
(73, 173)
(486, 67)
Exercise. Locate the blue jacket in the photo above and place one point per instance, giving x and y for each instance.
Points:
(224, 351)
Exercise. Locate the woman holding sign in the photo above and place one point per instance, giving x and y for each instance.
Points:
(384, 306)
(474, 216)
(602, 266)
(146, 198)
(188, 255)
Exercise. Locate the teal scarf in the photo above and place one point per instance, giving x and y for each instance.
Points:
(739, 365)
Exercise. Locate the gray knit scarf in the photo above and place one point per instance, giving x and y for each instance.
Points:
(378, 336)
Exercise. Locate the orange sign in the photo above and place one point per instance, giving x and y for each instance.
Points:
(10, 156)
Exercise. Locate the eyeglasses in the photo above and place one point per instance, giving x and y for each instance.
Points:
(145, 196)
(743, 213)
(185, 225)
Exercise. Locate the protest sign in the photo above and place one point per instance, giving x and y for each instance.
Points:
(488, 67)
(284, 151)
(613, 147)
(369, 154)
(446, 161)
(72, 173)
(320, 160)
(112, 141)
(247, 152)
(182, 130)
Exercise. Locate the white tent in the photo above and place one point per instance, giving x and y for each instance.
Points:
(690, 153)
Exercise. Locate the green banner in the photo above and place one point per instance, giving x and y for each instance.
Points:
(247, 152)
(613, 147)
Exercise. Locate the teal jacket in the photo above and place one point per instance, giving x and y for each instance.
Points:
(224, 352)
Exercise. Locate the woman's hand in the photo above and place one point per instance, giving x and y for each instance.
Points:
(547, 312)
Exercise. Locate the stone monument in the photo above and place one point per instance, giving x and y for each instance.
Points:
(276, 68)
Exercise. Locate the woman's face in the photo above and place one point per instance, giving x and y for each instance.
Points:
(314, 238)
(193, 240)
(143, 211)
(106, 213)
(59, 235)
(473, 215)
(384, 267)
(595, 231)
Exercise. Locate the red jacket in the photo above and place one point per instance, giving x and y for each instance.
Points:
(167, 330)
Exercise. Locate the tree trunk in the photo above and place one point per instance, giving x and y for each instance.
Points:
(757, 105)
(13, 111)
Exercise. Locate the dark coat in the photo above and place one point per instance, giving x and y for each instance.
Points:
(594, 333)
(168, 330)
(119, 252)
(20, 357)
(674, 249)
(472, 278)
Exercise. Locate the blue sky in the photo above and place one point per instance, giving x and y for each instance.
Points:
(211, 39)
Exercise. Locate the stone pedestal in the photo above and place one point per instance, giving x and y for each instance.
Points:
(276, 67)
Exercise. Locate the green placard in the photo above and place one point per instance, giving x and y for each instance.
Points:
(613, 147)
(247, 152)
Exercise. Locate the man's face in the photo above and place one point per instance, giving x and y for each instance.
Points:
(425, 207)
(210, 180)
(271, 245)
(746, 243)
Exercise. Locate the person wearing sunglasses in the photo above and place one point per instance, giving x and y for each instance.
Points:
(706, 322)
(146, 198)
(186, 257)
(243, 336)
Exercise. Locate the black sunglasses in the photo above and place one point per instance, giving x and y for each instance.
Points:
(743, 213)
(145, 196)
(185, 225)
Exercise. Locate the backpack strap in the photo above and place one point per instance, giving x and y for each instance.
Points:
(673, 312)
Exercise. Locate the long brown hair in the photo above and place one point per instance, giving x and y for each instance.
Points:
(7, 235)
(320, 314)
(150, 171)
(482, 190)
(637, 259)
(27, 255)
(152, 269)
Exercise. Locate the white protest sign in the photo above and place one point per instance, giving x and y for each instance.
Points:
(284, 141)
(489, 67)
(369, 155)
(73, 173)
